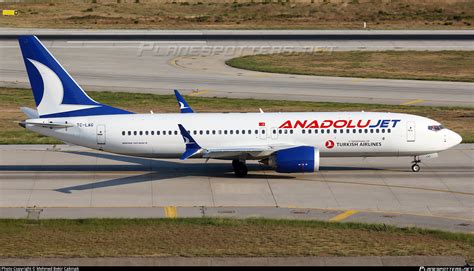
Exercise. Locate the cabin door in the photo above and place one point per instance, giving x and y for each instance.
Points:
(411, 131)
(101, 134)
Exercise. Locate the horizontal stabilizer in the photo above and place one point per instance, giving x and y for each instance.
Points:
(47, 124)
(30, 112)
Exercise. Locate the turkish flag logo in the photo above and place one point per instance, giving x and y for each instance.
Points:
(329, 144)
(261, 124)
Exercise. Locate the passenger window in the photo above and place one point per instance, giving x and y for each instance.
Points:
(366, 131)
(243, 132)
(377, 131)
(231, 132)
(250, 132)
(389, 130)
(322, 131)
(220, 132)
(335, 131)
(164, 132)
(129, 133)
(123, 133)
(175, 132)
(225, 132)
(146, 132)
(236, 132)
(315, 131)
(383, 130)
(274, 132)
(354, 131)
(200, 132)
(141, 132)
(169, 132)
(286, 131)
(279, 131)
(341, 131)
(291, 131)
(348, 131)
(328, 131)
(371, 131)
(213, 132)
(263, 132)
(360, 131)
(207, 132)
(256, 132)
(309, 131)
(303, 131)
(152, 132)
(134, 132)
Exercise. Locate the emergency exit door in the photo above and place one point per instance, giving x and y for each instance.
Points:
(411, 131)
(101, 134)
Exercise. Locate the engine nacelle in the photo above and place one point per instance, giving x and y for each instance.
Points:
(297, 159)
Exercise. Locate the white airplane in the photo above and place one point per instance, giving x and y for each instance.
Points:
(288, 142)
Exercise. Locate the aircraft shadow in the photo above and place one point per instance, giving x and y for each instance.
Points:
(158, 170)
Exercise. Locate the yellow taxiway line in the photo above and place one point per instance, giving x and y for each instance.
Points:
(413, 102)
(171, 212)
(343, 215)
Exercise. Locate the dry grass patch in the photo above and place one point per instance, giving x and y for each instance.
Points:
(221, 237)
(205, 14)
(426, 65)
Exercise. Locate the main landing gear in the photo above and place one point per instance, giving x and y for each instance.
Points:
(240, 168)
(415, 167)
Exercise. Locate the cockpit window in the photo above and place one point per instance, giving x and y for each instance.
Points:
(435, 127)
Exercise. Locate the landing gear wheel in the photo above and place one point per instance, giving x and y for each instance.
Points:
(240, 168)
(415, 167)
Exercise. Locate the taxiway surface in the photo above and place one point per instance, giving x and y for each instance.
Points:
(75, 182)
(197, 66)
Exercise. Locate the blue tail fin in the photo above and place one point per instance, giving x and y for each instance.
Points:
(183, 105)
(55, 91)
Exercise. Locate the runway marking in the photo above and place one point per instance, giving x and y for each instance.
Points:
(174, 62)
(357, 80)
(391, 186)
(413, 102)
(137, 42)
(381, 212)
(199, 92)
(343, 216)
(171, 212)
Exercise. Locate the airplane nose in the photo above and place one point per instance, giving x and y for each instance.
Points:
(454, 138)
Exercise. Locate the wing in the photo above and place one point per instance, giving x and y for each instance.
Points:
(234, 152)
(243, 152)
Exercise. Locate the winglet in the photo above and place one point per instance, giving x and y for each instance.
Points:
(192, 147)
(183, 105)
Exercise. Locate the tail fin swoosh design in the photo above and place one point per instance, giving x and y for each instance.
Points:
(55, 91)
(183, 105)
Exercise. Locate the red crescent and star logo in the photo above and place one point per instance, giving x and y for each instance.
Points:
(329, 144)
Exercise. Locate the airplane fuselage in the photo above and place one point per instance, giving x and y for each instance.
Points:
(335, 134)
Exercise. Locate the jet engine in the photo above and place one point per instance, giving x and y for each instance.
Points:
(293, 160)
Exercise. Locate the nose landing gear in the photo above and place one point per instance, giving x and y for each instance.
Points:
(240, 168)
(415, 167)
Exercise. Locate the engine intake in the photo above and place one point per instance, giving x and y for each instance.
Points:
(297, 159)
